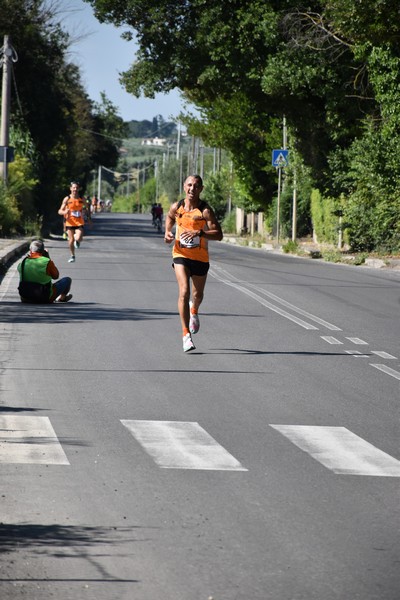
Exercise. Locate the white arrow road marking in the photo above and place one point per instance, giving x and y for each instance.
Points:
(29, 440)
(341, 451)
(181, 445)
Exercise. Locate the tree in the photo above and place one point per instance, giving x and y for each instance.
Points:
(54, 124)
(330, 69)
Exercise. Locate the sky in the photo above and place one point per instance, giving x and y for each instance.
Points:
(101, 55)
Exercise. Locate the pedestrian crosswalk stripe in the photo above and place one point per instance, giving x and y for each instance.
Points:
(29, 440)
(341, 451)
(181, 445)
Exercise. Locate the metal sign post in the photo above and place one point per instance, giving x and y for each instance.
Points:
(280, 159)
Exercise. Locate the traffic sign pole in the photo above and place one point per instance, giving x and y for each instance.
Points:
(280, 159)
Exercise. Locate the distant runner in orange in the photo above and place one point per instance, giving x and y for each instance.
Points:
(72, 209)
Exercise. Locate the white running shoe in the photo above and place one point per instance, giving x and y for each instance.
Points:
(76, 244)
(66, 299)
(72, 259)
(188, 343)
(194, 323)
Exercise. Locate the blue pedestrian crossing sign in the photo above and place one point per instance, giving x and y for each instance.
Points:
(280, 158)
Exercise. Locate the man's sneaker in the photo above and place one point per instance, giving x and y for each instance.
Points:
(194, 323)
(66, 299)
(76, 244)
(188, 343)
(72, 259)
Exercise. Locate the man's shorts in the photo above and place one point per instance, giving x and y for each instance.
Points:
(195, 267)
(71, 228)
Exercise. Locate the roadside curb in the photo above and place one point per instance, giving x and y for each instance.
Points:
(314, 254)
(9, 252)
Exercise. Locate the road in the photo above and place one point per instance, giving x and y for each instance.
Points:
(264, 465)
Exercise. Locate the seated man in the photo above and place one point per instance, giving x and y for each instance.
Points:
(36, 272)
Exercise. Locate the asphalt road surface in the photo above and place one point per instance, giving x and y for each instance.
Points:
(264, 465)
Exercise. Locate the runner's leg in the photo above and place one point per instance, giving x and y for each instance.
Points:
(183, 278)
(198, 285)
(71, 241)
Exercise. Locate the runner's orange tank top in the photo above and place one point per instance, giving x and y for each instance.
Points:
(75, 215)
(191, 220)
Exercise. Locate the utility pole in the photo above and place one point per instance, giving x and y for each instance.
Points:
(99, 185)
(8, 56)
(178, 143)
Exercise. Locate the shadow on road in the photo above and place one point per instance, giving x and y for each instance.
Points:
(83, 312)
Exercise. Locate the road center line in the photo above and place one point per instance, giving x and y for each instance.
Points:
(225, 277)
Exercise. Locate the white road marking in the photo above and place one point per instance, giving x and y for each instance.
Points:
(358, 341)
(29, 440)
(383, 354)
(357, 354)
(341, 451)
(387, 370)
(330, 339)
(8, 278)
(225, 277)
(182, 445)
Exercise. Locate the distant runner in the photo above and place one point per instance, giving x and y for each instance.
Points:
(72, 209)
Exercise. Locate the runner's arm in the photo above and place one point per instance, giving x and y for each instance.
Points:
(63, 210)
(213, 230)
(169, 223)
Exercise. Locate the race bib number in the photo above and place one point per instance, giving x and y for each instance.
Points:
(76, 213)
(193, 243)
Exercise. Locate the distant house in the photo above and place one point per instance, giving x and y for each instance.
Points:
(156, 141)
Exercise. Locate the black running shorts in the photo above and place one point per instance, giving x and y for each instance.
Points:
(195, 267)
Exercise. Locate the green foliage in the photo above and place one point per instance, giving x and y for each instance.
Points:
(360, 258)
(54, 125)
(123, 204)
(324, 217)
(331, 255)
(22, 182)
(290, 247)
(148, 194)
(332, 69)
(217, 188)
(229, 223)
(169, 180)
(10, 215)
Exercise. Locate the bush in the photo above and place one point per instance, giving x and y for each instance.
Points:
(10, 215)
(229, 223)
(123, 204)
(290, 247)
